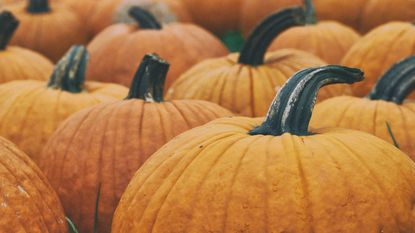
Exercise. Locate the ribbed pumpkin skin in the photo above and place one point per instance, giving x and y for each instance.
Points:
(218, 178)
(30, 112)
(378, 50)
(246, 90)
(369, 116)
(50, 34)
(328, 40)
(22, 64)
(183, 45)
(28, 202)
(364, 15)
(107, 144)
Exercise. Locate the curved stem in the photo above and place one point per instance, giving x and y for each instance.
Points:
(8, 25)
(291, 110)
(38, 6)
(397, 83)
(144, 18)
(69, 73)
(253, 51)
(148, 82)
(310, 12)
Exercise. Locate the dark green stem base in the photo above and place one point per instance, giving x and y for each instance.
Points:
(144, 18)
(38, 6)
(8, 25)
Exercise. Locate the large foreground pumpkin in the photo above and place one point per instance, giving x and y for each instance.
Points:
(27, 201)
(384, 105)
(245, 83)
(48, 29)
(17, 63)
(31, 110)
(328, 40)
(183, 45)
(232, 176)
(104, 145)
(378, 50)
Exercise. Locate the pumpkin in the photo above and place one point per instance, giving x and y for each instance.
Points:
(378, 50)
(245, 83)
(18, 63)
(27, 201)
(48, 29)
(30, 110)
(328, 40)
(238, 175)
(384, 105)
(365, 15)
(121, 136)
(183, 45)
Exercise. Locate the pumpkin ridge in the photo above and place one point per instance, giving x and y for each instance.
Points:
(38, 6)
(174, 103)
(405, 124)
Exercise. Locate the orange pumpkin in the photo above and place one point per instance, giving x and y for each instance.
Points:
(231, 176)
(328, 40)
(182, 44)
(120, 137)
(27, 201)
(48, 29)
(245, 83)
(384, 105)
(364, 15)
(31, 110)
(18, 63)
(378, 50)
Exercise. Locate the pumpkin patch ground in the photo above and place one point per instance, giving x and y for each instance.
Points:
(207, 116)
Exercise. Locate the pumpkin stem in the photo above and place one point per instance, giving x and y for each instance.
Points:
(144, 18)
(69, 73)
(310, 12)
(253, 51)
(291, 110)
(38, 6)
(8, 25)
(397, 83)
(148, 82)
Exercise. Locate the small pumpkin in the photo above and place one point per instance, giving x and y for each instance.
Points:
(364, 15)
(378, 50)
(48, 29)
(328, 40)
(245, 83)
(183, 45)
(30, 110)
(18, 63)
(120, 137)
(27, 201)
(232, 176)
(384, 105)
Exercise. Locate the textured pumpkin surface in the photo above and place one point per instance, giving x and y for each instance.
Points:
(30, 112)
(369, 116)
(51, 33)
(28, 202)
(378, 50)
(183, 45)
(21, 64)
(106, 144)
(244, 89)
(364, 15)
(328, 40)
(218, 178)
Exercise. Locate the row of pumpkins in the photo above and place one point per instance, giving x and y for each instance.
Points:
(234, 174)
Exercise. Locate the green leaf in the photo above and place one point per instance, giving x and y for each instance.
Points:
(392, 136)
(72, 228)
(233, 40)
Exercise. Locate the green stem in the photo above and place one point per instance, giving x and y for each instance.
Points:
(38, 6)
(8, 25)
(397, 83)
(148, 82)
(253, 51)
(291, 110)
(310, 12)
(69, 73)
(144, 18)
